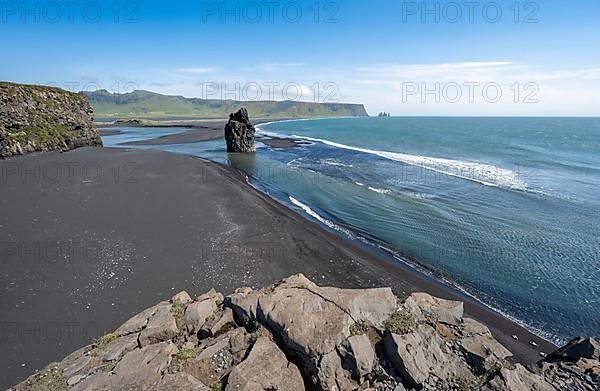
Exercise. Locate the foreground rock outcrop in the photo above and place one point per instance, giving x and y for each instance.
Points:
(239, 132)
(37, 118)
(296, 335)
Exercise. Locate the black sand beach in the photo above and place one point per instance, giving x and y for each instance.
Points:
(119, 230)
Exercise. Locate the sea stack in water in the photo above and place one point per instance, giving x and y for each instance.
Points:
(239, 132)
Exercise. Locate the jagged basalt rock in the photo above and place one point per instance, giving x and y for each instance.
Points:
(239, 132)
(482, 351)
(518, 379)
(359, 350)
(199, 312)
(422, 354)
(312, 321)
(296, 335)
(217, 356)
(445, 311)
(578, 348)
(37, 118)
(265, 358)
(162, 326)
(576, 366)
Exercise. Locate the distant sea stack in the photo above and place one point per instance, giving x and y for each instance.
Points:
(239, 132)
(37, 118)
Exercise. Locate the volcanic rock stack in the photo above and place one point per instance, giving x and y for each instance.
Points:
(239, 132)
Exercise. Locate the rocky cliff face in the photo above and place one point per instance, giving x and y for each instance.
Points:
(36, 118)
(300, 336)
(239, 132)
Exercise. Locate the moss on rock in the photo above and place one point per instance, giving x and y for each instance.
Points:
(38, 118)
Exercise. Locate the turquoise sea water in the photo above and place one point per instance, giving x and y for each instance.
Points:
(506, 209)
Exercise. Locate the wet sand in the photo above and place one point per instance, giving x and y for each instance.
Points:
(199, 130)
(122, 229)
(109, 132)
(281, 142)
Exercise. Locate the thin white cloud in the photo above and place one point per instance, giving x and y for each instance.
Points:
(472, 71)
(525, 89)
(566, 75)
(273, 67)
(441, 71)
(197, 70)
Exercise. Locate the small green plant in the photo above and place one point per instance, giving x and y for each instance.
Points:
(109, 368)
(178, 310)
(255, 335)
(105, 340)
(469, 384)
(358, 329)
(48, 380)
(186, 354)
(17, 135)
(491, 373)
(218, 387)
(301, 287)
(476, 383)
(42, 134)
(400, 322)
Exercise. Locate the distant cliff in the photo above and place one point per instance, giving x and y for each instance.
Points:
(145, 104)
(36, 118)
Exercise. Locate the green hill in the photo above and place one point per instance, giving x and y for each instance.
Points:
(145, 104)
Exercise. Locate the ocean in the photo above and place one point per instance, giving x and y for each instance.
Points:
(505, 209)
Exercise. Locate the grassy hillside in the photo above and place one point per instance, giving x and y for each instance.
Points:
(145, 104)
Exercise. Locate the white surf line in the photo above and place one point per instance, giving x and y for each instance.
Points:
(455, 168)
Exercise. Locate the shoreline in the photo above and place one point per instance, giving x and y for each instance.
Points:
(428, 281)
(370, 245)
(218, 194)
(199, 130)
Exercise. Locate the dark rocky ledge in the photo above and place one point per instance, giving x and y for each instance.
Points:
(296, 335)
(37, 118)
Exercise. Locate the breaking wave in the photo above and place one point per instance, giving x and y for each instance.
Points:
(486, 174)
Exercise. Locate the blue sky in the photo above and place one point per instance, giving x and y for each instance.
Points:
(543, 60)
